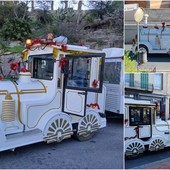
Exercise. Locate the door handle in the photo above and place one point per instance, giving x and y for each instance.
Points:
(83, 93)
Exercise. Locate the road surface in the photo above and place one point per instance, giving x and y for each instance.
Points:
(147, 158)
(103, 151)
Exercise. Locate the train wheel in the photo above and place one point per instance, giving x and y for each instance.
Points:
(85, 137)
(143, 48)
(134, 149)
(156, 144)
(58, 129)
(87, 127)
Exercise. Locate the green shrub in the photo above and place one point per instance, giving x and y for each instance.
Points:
(15, 29)
(16, 49)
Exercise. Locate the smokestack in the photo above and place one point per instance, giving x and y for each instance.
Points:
(146, 20)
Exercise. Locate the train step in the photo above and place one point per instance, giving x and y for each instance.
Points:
(20, 139)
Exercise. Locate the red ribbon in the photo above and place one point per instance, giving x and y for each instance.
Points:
(137, 132)
(64, 47)
(24, 70)
(156, 27)
(93, 105)
(14, 66)
(1, 77)
(95, 83)
(62, 62)
(39, 41)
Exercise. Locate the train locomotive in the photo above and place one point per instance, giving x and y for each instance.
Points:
(59, 93)
(144, 129)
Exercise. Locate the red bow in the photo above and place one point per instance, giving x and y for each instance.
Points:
(64, 47)
(95, 83)
(24, 70)
(62, 62)
(1, 77)
(93, 105)
(14, 66)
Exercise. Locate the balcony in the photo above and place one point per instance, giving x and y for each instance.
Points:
(137, 86)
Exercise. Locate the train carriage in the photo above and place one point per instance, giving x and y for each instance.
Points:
(153, 40)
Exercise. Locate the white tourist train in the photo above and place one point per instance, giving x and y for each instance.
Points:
(153, 40)
(58, 94)
(143, 129)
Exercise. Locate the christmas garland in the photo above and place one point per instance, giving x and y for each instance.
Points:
(93, 105)
(45, 43)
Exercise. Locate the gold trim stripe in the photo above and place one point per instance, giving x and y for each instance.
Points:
(44, 105)
(19, 102)
(24, 91)
(25, 74)
(43, 86)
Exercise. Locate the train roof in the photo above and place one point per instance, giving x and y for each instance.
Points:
(138, 102)
(113, 52)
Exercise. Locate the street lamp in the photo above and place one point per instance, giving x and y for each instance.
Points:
(138, 18)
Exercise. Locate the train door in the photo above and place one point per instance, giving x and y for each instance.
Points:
(84, 74)
(141, 117)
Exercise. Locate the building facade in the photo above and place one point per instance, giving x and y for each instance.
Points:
(150, 86)
(152, 4)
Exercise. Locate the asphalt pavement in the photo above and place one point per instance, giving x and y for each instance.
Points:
(103, 151)
(150, 160)
(161, 164)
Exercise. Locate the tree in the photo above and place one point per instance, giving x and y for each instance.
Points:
(105, 8)
(16, 23)
(130, 65)
(65, 4)
(6, 11)
(52, 5)
(79, 11)
(32, 5)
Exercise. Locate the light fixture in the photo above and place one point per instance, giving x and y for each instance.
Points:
(138, 14)
(28, 41)
(50, 36)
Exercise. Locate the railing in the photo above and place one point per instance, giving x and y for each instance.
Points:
(139, 86)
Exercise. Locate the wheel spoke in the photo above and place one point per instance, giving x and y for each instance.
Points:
(57, 130)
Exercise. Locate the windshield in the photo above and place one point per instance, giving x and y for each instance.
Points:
(43, 67)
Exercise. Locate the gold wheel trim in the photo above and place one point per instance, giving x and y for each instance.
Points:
(135, 148)
(58, 130)
(156, 144)
(88, 125)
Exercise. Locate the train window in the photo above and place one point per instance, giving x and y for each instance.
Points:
(139, 116)
(43, 68)
(85, 72)
(80, 72)
(112, 72)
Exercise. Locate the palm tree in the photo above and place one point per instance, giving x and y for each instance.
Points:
(52, 5)
(66, 4)
(79, 9)
(32, 5)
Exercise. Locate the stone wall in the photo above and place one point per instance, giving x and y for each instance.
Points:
(7, 59)
(105, 34)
